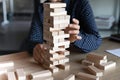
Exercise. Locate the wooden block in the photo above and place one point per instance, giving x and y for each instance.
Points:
(55, 10)
(64, 66)
(57, 57)
(66, 42)
(57, 37)
(11, 76)
(95, 71)
(52, 33)
(48, 39)
(96, 61)
(85, 76)
(66, 53)
(20, 74)
(54, 62)
(54, 5)
(61, 40)
(6, 65)
(53, 20)
(4, 71)
(63, 60)
(87, 63)
(3, 74)
(41, 74)
(103, 61)
(107, 66)
(53, 27)
(96, 56)
(44, 78)
(57, 49)
(55, 13)
(53, 69)
(70, 77)
(54, 55)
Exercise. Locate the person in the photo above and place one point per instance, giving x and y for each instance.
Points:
(82, 28)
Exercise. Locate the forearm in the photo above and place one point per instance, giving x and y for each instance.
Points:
(88, 42)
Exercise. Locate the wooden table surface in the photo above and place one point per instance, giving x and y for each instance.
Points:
(24, 60)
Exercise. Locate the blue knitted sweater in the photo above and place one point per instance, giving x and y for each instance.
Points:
(82, 11)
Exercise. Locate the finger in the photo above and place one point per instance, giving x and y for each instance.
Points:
(75, 21)
(40, 52)
(43, 52)
(45, 47)
(78, 37)
(74, 32)
(36, 57)
(74, 26)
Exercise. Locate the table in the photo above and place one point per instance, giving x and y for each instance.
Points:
(4, 4)
(24, 60)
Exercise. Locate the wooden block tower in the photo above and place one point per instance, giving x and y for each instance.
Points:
(54, 23)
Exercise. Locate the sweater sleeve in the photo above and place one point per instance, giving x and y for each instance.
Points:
(36, 31)
(91, 39)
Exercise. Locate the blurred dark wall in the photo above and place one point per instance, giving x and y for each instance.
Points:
(21, 6)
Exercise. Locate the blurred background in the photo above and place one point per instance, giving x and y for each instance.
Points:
(16, 15)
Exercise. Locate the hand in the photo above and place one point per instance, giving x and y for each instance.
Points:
(39, 53)
(73, 30)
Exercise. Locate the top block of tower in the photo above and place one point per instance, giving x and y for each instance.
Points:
(54, 5)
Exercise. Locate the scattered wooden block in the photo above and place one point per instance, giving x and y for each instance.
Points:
(103, 61)
(87, 63)
(70, 77)
(54, 5)
(3, 71)
(44, 78)
(97, 61)
(20, 74)
(11, 76)
(64, 66)
(6, 65)
(95, 71)
(107, 66)
(41, 74)
(96, 56)
(86, 76)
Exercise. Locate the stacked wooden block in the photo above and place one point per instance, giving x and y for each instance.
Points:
(54, 23)
(96, 65)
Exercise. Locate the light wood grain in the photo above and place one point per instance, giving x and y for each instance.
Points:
(24, 60)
